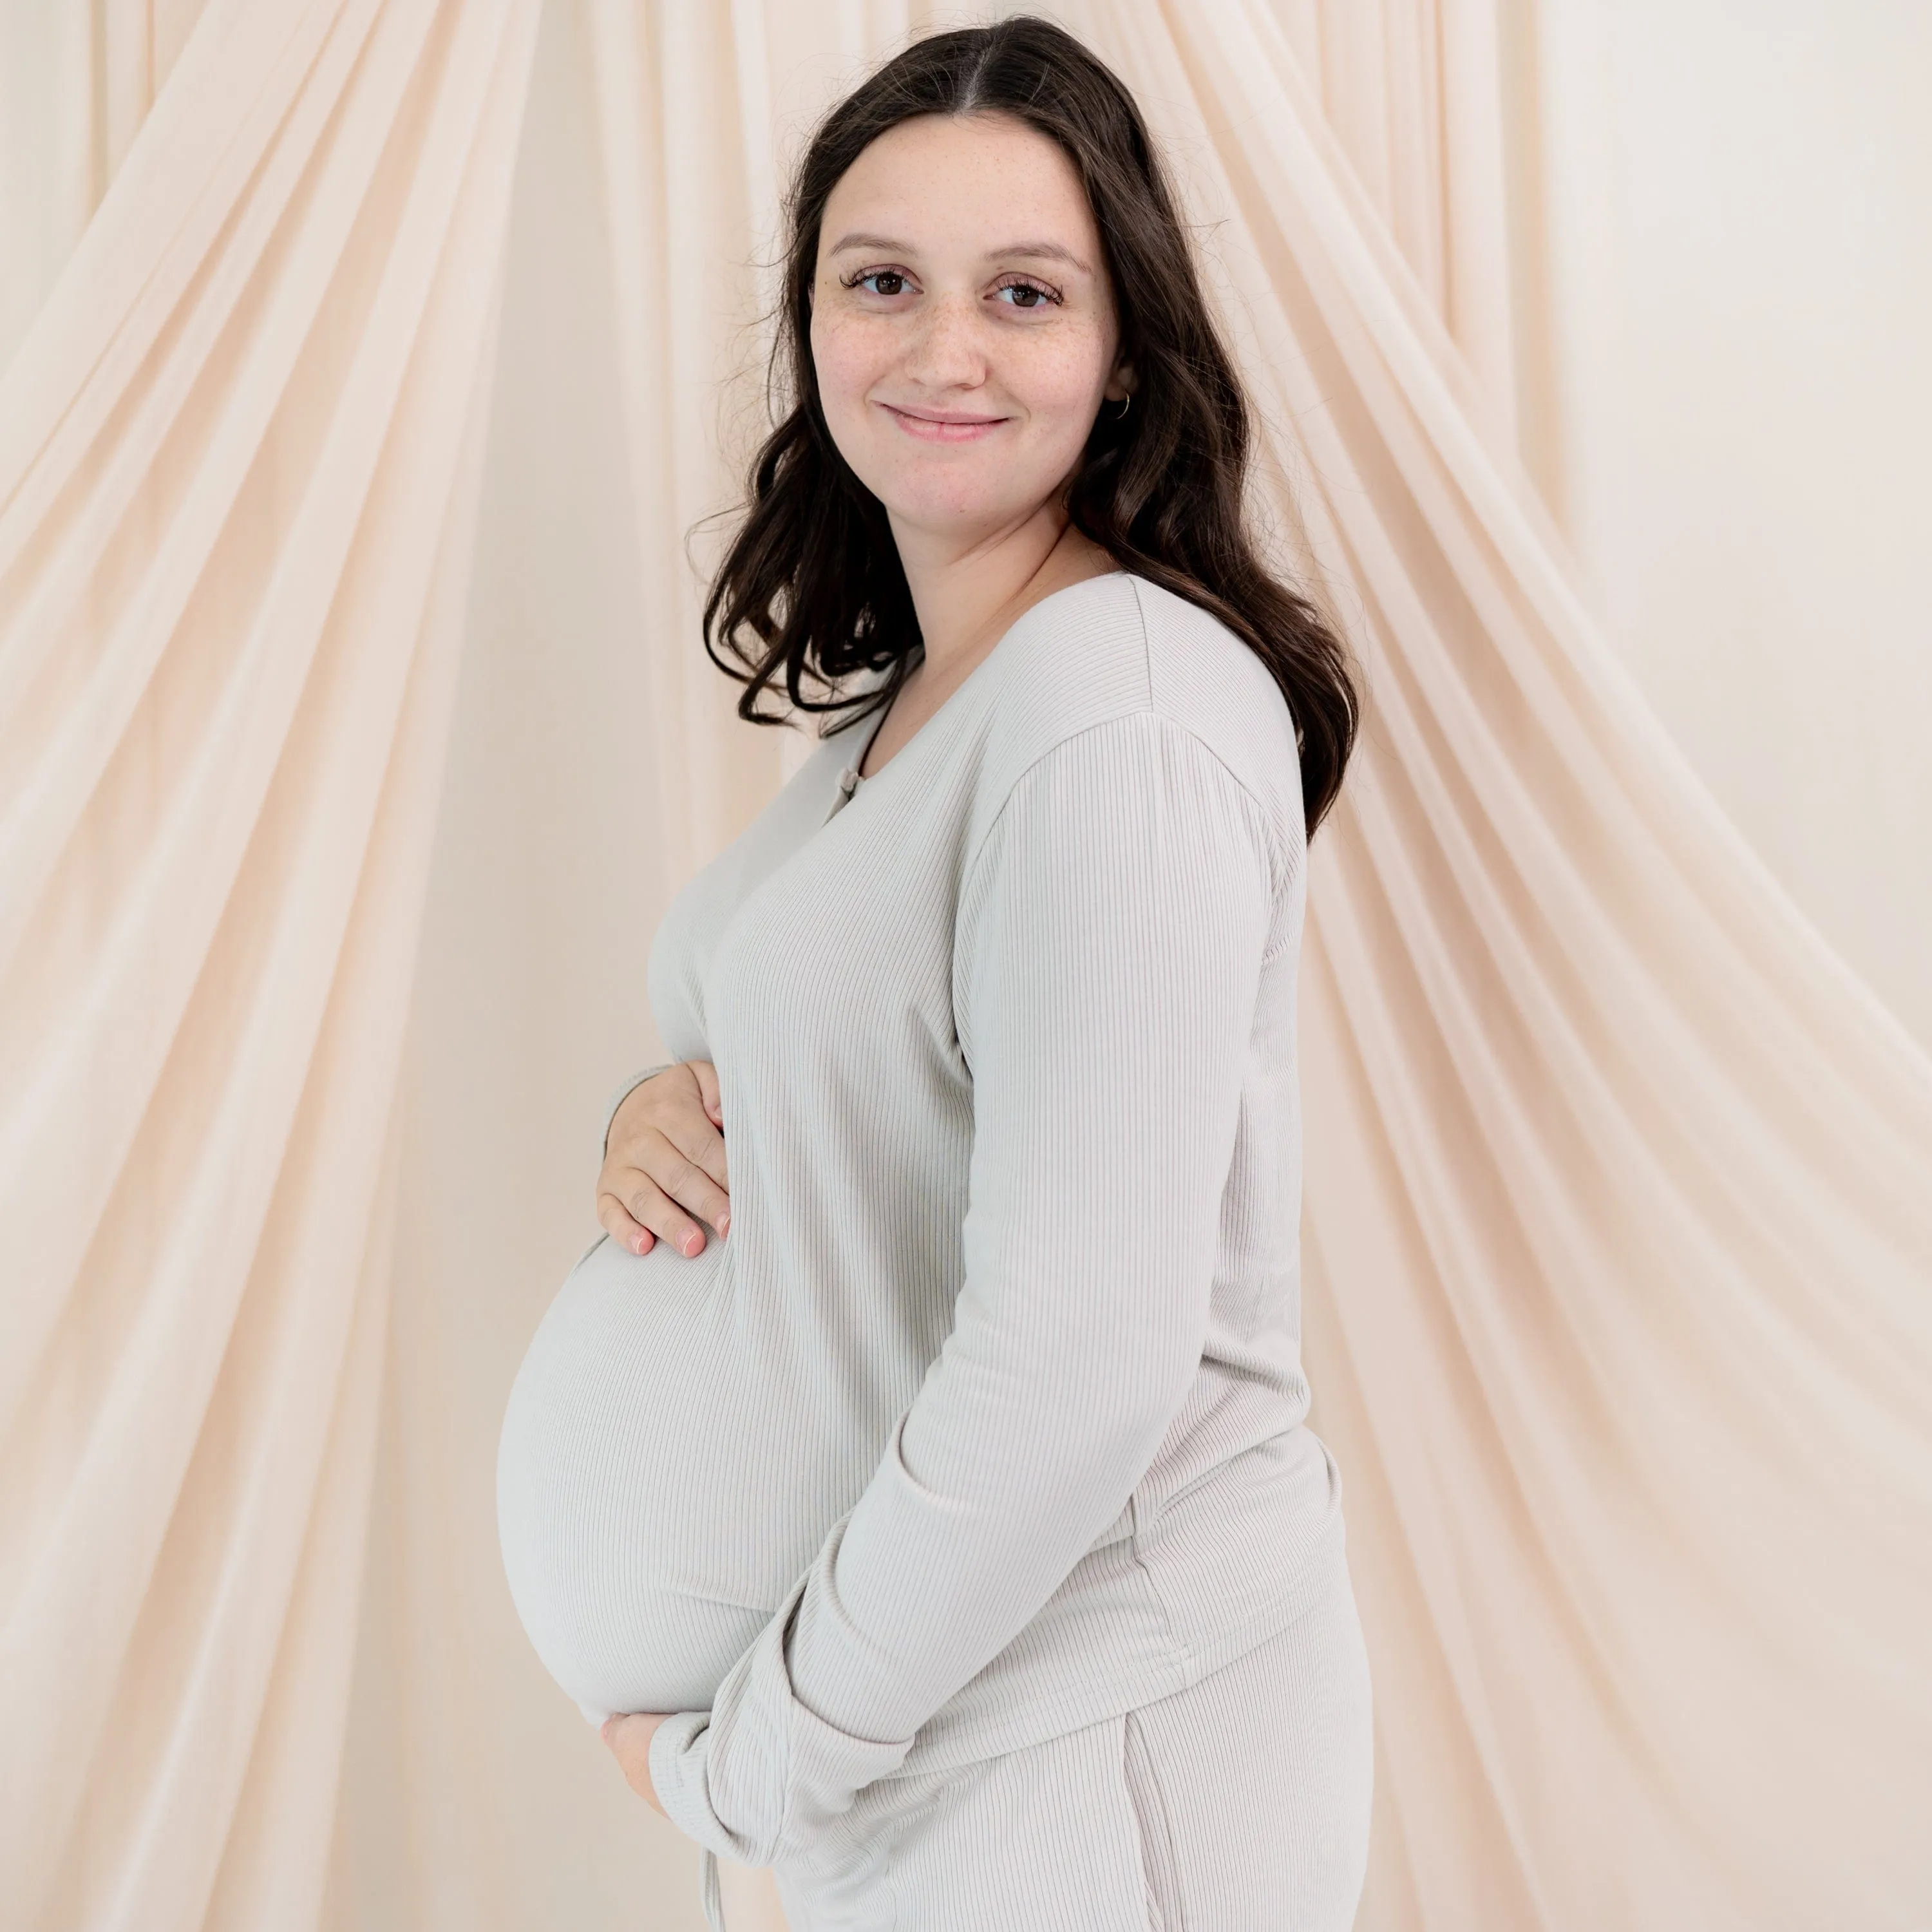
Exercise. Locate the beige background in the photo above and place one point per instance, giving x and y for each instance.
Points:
(1730, 405)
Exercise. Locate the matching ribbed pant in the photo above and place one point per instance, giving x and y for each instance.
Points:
(1241, 1805)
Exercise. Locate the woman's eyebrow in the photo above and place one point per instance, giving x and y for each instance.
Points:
(1049, 251)
(884, 242)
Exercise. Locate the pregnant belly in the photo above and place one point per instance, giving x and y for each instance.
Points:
(662, 1478)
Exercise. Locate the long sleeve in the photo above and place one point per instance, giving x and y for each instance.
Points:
(1109, 943)
(622, 1094)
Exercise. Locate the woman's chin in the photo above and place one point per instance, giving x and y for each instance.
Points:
(959, 510)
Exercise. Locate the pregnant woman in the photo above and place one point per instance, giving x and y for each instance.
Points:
(943, 1528)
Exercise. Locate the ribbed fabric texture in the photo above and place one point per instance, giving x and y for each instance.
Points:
(1239, 1805)
(987, 1419)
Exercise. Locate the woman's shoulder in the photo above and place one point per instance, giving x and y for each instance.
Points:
(1119, 646)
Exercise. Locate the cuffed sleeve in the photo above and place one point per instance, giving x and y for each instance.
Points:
(809, 1769)
(1109, 943)
(622, 1094)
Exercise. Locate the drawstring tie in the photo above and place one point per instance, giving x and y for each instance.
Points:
(714, 1898)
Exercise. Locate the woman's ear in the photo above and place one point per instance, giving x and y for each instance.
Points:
(1120, 383)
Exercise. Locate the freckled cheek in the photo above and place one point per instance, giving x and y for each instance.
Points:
(1059, 380)
(850, 357)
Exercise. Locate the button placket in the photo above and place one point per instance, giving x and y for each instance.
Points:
(848, 783)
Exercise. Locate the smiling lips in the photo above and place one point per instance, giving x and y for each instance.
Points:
(941, 426)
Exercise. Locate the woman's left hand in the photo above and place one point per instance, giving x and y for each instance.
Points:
(629, 1738)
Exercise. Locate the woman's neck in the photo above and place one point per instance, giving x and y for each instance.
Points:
(968, 596)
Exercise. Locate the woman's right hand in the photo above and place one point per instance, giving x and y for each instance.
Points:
(665, 1155)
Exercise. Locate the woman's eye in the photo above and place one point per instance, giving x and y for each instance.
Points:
(892, 275)
(1034, 296)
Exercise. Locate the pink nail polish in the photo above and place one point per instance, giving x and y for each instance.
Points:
(724, 1221)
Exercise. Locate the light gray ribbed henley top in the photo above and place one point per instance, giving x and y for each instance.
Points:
(987, 1419)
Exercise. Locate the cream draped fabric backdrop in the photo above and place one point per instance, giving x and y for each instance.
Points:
(1619, 1202)
(240, 450)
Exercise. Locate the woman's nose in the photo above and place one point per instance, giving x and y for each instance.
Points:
(945, 350)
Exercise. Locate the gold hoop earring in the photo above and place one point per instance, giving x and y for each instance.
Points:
(1126, 404)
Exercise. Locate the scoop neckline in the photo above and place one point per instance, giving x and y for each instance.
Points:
(860, 780)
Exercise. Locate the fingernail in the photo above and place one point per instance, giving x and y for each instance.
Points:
(724, 1221)
(697, 1241)
(637, 1246)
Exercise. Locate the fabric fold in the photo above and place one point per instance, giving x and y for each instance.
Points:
(238, 561)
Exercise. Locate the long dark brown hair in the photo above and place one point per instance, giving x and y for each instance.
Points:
(812, 583)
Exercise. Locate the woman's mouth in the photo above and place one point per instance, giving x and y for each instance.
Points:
(944, 427)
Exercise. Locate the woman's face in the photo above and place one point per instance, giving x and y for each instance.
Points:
(962, 326)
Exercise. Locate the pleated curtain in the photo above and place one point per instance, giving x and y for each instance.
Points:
(239, 455)
(1619, 1210)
